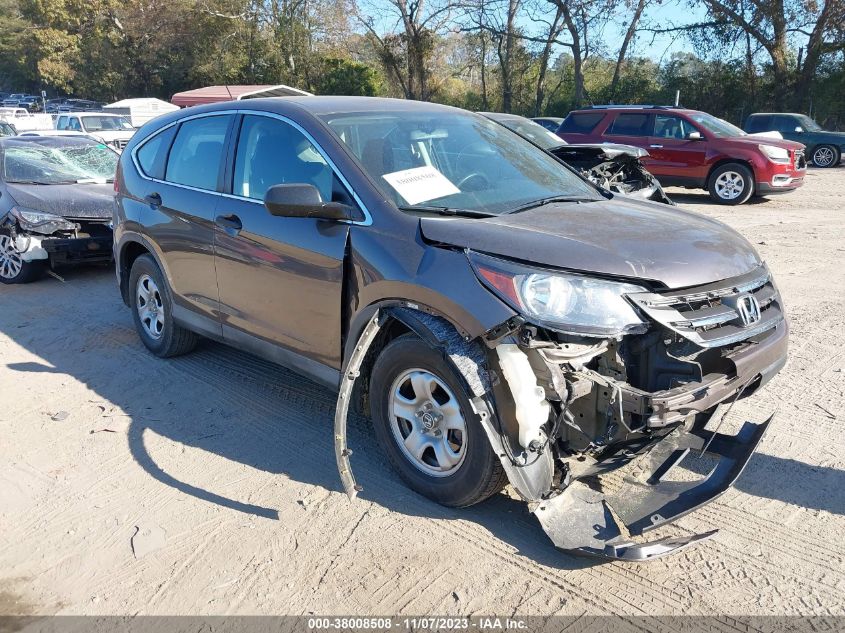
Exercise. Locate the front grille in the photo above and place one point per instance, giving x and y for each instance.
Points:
(717, 314)
(798, 159)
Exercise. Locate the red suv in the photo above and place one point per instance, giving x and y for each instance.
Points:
(693, 149)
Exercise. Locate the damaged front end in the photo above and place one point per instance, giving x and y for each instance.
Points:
(591, 430)
(617, 168)
(38, 236)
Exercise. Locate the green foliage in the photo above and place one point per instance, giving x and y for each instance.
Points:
(345, 77)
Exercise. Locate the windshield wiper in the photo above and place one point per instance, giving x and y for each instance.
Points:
(550, 200)
(27, 182)
(468, 213)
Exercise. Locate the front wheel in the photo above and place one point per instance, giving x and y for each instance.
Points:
(13, 269)
(825, 156)
(732, 183)
(424, 422)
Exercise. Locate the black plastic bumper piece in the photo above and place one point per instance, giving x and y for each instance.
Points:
(584, 520)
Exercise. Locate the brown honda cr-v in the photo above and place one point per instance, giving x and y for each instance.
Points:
(499, 318)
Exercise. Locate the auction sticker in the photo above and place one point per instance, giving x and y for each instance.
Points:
(420, 184)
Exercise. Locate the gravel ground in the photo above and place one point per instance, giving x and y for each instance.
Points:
(206, 484)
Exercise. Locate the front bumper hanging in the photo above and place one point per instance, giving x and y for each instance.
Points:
(583, 520)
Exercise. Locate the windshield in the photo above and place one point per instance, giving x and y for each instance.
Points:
(58, 165)
(809, 124)
(105, 123)
(531, 130)
(6, 129)
(717, 127)
(454, 160)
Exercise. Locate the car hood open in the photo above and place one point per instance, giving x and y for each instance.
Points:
(616, 237)
(77, 201)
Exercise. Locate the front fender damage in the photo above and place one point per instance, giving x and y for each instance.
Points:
(576, 510)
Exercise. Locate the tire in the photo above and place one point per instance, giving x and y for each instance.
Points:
(825, 156)
(152, 311)
(731, 183)
(13, 270)
(456, 467)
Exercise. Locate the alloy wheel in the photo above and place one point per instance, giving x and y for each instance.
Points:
(10, 259)
(729, 185)
(427, 423)
(823, 156)
(150, 306)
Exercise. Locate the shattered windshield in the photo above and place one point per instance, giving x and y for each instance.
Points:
(106, 123)
(426, 160)
(39, 164)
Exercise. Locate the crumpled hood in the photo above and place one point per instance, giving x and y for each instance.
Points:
(79, 201)
(618, 237)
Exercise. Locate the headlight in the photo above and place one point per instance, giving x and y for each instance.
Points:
(40, 222)
(775, 154)
(570, 303)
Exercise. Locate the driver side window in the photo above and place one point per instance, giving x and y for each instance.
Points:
(672, 127)
(272, 152)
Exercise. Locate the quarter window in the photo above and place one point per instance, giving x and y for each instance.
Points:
(628, 124)
(581, 122)
(197, 152)
(272, 152)
(153, 153)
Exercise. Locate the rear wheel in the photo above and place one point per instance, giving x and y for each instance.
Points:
(732, 183)
(152, 311)
(424, 422)
(825, 156)
(13, 269)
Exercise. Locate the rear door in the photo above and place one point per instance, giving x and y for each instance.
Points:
(672, 153)
(280, 279)
(182, 199)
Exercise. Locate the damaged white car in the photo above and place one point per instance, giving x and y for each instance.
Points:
(56, 201)
(499, 317)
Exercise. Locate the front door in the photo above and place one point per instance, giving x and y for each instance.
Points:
(280, 279)
(672, 151)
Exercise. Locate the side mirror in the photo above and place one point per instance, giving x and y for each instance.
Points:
(304, 201)
(799, 129)
(695, 136)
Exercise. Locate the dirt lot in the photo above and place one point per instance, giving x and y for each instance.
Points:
(207, 484)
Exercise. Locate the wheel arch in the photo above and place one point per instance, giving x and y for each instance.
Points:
(727, 161)
(131, 247)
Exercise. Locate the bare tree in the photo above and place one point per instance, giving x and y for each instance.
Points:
(633, 24)
(407, 49)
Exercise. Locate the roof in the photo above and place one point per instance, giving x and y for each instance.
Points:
(216, 94)
(141, 101)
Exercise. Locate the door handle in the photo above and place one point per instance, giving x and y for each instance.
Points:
(655, 146)
(230, 223)
(153, 199)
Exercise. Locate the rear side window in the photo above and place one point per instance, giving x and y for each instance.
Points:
(197, 152)
(758, 124)
(629, 124)
(581, 122)
(153, 153)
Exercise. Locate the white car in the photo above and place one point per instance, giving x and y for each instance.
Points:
(112, 129)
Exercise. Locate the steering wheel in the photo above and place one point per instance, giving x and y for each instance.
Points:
(481, 184)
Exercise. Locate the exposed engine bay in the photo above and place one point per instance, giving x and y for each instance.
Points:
(562, 411)
(617, 168)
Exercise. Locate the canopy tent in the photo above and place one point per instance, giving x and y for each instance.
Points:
(141, 110)
(215, 94)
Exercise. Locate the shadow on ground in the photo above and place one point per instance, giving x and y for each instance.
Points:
(249, 437)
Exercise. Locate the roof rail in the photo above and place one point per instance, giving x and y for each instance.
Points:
(637, 107)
